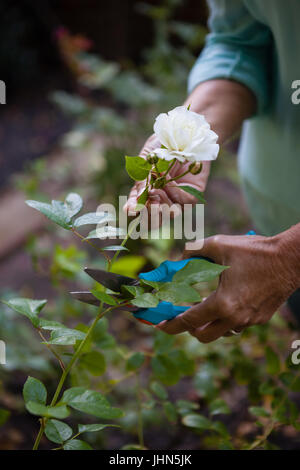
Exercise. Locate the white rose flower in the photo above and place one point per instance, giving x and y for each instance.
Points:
(185, 135)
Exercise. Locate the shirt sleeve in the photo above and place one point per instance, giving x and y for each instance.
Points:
(237, 48)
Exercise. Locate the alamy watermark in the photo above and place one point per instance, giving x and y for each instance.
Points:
(2, 352)
(2, 92)
(295, 96)
(159, 221)
(296, 354)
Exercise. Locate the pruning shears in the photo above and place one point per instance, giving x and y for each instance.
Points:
(114, 282)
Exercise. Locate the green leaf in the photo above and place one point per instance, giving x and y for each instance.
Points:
(159, 390)
(138, 168)
(259, 411)
(154, 284)
(106, 232)
(170, 411)
(66, 336)
(198, 270)
(106, 298)
(133, 291)
(205, 380)
(4, 415)
(184, 364)
(142, 199)
(114, 248)
(95, 427)
(93, 218)
(128, 265)
(145, 301)
(74, 204)
(135, 361)
(177, 293)
(132, 447)
(58, 411)
(220, 428)
(272, 361)
(196, 421)
(295, 385)
(163, 343)
(94, 362)
(35, 391)
(57, 431)
(185, 407)
(57, 211)
(193, 192)
(162, 165)
(28, 307)
(165, 370)
(91, 402)
(77, 444)
(218, 406)
(50, 324)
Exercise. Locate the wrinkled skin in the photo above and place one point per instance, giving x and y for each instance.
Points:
(261, 277)
(170, 194)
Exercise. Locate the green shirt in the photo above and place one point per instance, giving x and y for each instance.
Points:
(257, 43)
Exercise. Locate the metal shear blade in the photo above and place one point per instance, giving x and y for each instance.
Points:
(88, 298)
(112, 281)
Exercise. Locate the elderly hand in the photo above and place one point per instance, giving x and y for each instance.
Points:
(263, 273)
(170, 194)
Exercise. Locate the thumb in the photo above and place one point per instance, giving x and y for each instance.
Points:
(208, 248)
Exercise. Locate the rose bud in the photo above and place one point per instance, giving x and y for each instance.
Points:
(152, 158)
(195, 168)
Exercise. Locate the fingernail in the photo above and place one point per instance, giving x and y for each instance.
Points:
(162, 323)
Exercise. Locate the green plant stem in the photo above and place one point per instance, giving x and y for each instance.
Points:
(40, 435)
(170, 166)
(91, 244)
(179, 176)
(67, 370)
(110, 263)
(272, 424)
(140, 428)
(61, 363)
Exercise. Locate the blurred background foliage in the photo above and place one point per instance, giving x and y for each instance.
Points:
(108, 69)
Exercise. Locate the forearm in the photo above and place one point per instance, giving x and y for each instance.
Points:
(224, 103)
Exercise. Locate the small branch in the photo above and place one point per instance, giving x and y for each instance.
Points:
(52, 350)
(179, 176)
(140, 429)
(92, 244)
(170, 166)
(68, 369)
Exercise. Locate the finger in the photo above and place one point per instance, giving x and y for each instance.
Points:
(212, 331)
(237, 329)
(193, 318)
(209, 248)
(176, 194)
(160, 195)
(135, 192)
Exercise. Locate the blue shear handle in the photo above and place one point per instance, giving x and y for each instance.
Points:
(163, 311)
(165, 273)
